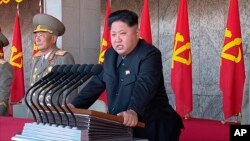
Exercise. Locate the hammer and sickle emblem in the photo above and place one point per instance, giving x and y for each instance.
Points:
(233, 43)
(13, 57)
(101, 56)
(187, 46)
(4, 1)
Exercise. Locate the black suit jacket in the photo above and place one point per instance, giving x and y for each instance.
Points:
(139, 86)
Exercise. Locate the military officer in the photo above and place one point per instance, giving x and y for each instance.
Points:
(47, 29)
(6, 75)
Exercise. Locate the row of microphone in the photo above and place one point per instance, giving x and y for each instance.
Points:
(61, 79)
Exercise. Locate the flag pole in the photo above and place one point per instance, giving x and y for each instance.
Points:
(40, 6)
(17, 7)
(45, 7)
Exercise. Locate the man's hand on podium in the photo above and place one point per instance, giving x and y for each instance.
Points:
(129, 118)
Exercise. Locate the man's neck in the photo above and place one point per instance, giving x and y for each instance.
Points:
(48, 50)
(46, 53)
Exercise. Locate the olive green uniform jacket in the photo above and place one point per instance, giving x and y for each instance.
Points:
(6, 75)
(41, 67)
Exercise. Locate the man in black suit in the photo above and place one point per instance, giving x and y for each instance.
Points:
(132, 75)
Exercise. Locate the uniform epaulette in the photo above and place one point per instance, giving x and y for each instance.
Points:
(2, 61)
(60, 52)
(38, 54)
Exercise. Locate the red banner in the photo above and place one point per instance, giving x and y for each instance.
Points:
(232, 70)
(105, 44)
(16, 60)
(181, 68)
(145, 27)
(1, 51)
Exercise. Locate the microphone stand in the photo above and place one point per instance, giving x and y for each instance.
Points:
(47, 84)
(26, 102)
(58, 84)
(86, 70)
(42, 81)
(94, 71)
(50, 85)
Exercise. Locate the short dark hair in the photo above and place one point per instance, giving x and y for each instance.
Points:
(126, 16)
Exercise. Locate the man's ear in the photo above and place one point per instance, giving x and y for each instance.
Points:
(138, 32)
(54, 38)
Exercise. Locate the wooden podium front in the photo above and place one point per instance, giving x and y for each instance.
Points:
(83, 125)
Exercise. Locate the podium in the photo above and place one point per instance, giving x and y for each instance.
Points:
(83, 125)
(57, 123)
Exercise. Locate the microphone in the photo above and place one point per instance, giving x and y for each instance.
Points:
(95, 70)
(53, 72)
(65, 71)
(86, 70)
(72, 71)
(79, 71)
(47, 81)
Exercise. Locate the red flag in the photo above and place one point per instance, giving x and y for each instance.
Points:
(232, 70)
(181, 69)
(106, 43)
(145, 28)
(16, 60)
(1, 51)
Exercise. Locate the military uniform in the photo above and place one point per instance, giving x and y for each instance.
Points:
(42, 67)
(6, 75)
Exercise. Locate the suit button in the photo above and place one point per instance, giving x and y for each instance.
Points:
(122, 80)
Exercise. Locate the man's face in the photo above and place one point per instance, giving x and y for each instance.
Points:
(123, 38)
(45, 41)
